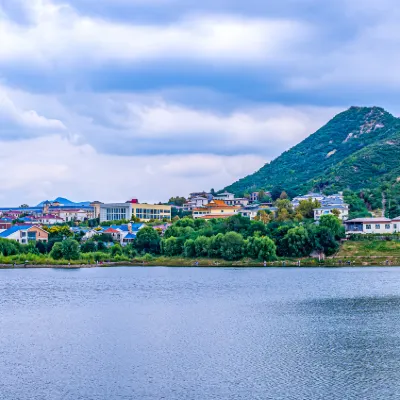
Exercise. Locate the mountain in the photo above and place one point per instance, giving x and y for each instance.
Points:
(66, 202)
(358, 149)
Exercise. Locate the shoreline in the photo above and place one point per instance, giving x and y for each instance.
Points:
(332, 262)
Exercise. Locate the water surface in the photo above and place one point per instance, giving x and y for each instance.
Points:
(200, 333)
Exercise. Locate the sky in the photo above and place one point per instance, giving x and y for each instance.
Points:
(116, 99)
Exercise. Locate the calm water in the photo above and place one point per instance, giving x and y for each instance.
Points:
(192, 333)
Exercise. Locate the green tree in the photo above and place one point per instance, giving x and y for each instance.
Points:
(177, 201)
(232, 246)
(324, 241)
(215, 245)
(171, 247)
(56, 252)
(297, 243)
(333, 224)
(306, 208)
(202, 244)
(116, 250)
(148, 240)
(70, 249)
(88, 247)
(189, 248)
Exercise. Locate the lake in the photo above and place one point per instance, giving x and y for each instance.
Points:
(200, 333)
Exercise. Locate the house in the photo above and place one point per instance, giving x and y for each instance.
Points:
(326, 210)
(215, 209)
(125, 211)
(48, 219)
(195, 202)
(5, 224)
(25, 234)
(250, 211)
(231, 200)
(372, 225)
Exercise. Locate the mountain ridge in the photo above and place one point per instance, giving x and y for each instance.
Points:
(358, 148)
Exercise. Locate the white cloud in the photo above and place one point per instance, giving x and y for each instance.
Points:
(24, 121)
(45, 168)
(59, 36)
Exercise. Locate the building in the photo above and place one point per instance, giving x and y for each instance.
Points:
(378, 225)
(48, 219)
(215, 209)
(231, 200)
(25, 234)
(125, 211)
(326, 210)
(195, 202)
(250, 211)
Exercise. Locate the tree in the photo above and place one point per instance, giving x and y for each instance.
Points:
(41, 246)
(296, 243)
(262, 248)
(306, 208)
(324, 240)
(176, 218)
(202, 245)
(267, 249)
(276, 192)
(333, 224)
(283, 215)
(116, 250)
(336, 212)
(215, 245)
(177, 201)
(283, 196)
(263, 217)
(189, 248)
(171, 247)
(148, 240)
(232, 246)
(56, 252)
(88, 247)
(70, 249)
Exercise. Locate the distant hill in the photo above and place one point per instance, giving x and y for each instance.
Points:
(358, 149)
(66, 202)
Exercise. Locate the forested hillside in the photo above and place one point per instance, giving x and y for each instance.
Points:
(358, 149)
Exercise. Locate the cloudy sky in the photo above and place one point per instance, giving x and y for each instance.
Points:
(112, 99)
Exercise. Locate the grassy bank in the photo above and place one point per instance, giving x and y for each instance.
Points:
(362, 253)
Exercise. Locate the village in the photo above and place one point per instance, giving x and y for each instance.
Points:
(25, 224)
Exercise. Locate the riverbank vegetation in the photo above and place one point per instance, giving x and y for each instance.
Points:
(231, 239)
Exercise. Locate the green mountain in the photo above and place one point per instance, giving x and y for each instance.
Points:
(358, 149)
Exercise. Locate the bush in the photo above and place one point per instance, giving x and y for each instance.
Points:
(232, 246)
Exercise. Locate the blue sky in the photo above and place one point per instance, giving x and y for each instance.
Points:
(112, 99)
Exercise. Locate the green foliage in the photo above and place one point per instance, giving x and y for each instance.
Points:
(232, 246)
(306, 208)
(262, 248)
(357, 149)
(116, 250)
(296, 242)
(333, 224)
(202, 245)
(56, 252)
(148, 241)
(89, 246)
(189, 248)
(70, 249)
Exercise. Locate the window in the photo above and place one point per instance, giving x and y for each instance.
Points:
(395, 226)
(387, 226)
(377, 226)
(368, 227)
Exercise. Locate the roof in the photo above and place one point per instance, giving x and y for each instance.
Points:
(216, 216)
(17, 228)
(368, 220)
(110, 230)
(130, 236)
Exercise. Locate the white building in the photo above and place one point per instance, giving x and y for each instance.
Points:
(378, 225)
(326, 210)
(195, 202)
(231, 200)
